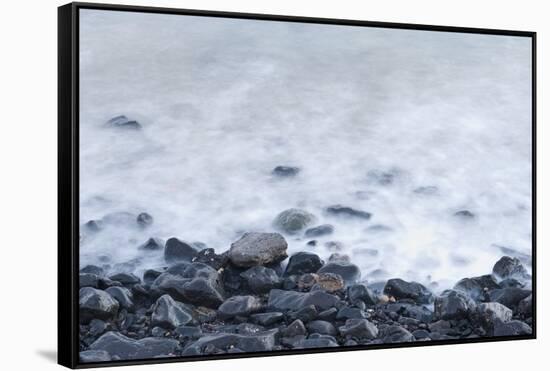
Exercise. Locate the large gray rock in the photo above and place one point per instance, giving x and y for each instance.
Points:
(525, 307)
(198, 283)
(509, 297)
(124, 297)
(361, 292)
(396, 334)
(95, 303)
(168, 313)
(477, 287)
(512, 328)
(303, 262)
(282, 300)
(359, 329)
(261, 341)
(349, 272)
(401, 289)
(453, 305)
(255, 248)
(122, 122)
(242, 305)
(285, 171)
(292, 221)
(491, 313)
(508, 267)
(315, 343)
(89, 356)
(176, 250)
(321, 327)
(261, 279)
(118, 345)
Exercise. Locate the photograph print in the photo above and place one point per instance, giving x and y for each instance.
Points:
(257, 186)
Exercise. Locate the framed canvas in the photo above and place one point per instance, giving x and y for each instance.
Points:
(239, 185)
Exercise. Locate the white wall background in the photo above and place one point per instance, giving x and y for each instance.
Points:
(28, 166)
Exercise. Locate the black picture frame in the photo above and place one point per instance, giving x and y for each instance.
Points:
(68, 176)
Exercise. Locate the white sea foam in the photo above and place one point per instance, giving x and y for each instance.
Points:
(222, 102)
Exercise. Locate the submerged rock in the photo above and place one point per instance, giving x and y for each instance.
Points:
(345, 211)
(258, 249)
(464, 215)
(321, 230)
(286, 171)
(144, 220)
(152, 244)
(95, 303)
(292, 221)
(400, 289)
(303, 262)
(122, 122)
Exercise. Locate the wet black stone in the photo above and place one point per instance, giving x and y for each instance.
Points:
(124, 297)
(89, 356)
(509, 297)
(281, 300)
(359, 329)
(295, 328)
(150, 275)
(477, 288)
(95, 303)
(363, 293)
(303, 262)
(209, 256)
(350, 313)
(401, 289)
(267, 319)
(125, 278)
(261, 341)
(118, 345)
(453, 305)
(168, 313)
(261, 279)
(349, 272)
(242, 305)
(176, 251)
(396, 334)
(321, 327)
(512, 328)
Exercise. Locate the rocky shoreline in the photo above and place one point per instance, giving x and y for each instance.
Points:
(253, 297)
